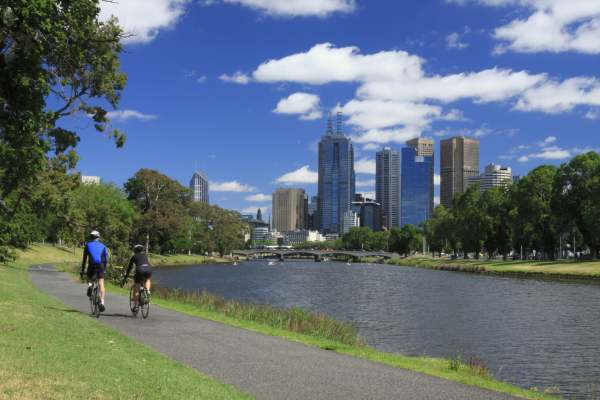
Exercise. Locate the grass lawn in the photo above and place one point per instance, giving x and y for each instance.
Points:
(585, 269)
(50, 352)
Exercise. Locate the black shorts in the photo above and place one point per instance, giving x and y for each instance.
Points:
(97, 270)
(141, 276)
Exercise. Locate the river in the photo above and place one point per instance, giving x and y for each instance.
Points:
(532, 333)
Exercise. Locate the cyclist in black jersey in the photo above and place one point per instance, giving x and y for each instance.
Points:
(143, 270)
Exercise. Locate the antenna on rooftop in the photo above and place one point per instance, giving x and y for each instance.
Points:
(339, 123)
(330, 125)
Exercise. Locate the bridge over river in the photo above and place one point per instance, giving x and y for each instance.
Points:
(317, 255)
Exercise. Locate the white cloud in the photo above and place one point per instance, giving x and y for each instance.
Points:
(551, 26)
(547, 153)
(298, 8)
(547, 141)
(365, 166)
(369, 183)
(437, 180)
(125, 115)
(239, 77)
(259, 197)
(558, 97)
(201, 79)
(233, 186)
(143, 19)
(453, 41)
(304, 104)
(301, 175)
(397, 100)
(371, 147)
(325, 63)
(254, 210)
(377, 114)
(593, 114)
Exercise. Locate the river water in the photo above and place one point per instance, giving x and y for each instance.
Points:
(532, 333)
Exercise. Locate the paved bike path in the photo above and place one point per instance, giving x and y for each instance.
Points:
(264, 366)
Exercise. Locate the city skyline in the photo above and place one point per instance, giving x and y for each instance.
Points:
(252, 126)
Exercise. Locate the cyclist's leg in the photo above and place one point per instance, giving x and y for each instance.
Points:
(100, 272)
(148, 282)
(136, 284)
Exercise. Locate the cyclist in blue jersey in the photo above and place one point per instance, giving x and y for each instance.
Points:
(95, 255)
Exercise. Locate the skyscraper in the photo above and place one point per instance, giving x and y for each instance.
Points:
(336, 177)
(387, 186)
(290, 208)
(459, 160)
(199, 187)
(425, 148)
(416, 187)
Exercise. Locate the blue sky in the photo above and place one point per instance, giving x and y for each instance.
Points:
(241, 88)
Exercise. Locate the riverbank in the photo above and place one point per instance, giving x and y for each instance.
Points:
(60, 254)
(586, 270)
(49, 351)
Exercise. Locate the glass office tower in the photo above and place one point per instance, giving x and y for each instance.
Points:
(199, 186)
(415, 187)
(336, 178)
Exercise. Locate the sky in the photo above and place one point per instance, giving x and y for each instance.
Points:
(241, 89)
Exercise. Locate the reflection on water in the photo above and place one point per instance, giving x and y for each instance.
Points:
(532, 333)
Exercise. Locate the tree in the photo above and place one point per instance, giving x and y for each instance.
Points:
(470, 220)
(405, 240)
(497, 206)
(534, 221)
(576, 198)
(104, 208)
(439, 230)
(162, 203)
(357, 238)
(56, 59)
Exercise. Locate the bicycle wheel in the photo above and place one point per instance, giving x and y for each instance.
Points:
(92, 299)
(134, 309)
(96, 297)
(145, 303)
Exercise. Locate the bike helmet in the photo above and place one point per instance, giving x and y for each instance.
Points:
(138, 247)
(95, 234)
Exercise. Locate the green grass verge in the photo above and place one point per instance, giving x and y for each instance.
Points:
(550, 269)
(47, 351)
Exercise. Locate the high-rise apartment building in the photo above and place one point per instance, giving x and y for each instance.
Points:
(336, 178)
(459, 161)
(425, 148)
(387, 186)
(494, 176)
(416, 187)
(199, 186)
(290, 209)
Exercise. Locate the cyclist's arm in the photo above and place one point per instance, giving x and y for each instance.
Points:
(129, 267)
(105, 257)
(84, 261)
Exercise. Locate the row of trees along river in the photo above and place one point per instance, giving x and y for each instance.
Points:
(547, 210)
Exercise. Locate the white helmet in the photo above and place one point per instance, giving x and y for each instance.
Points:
(95, 234)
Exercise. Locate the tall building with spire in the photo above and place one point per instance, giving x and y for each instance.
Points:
(336, 177)
(199, 186)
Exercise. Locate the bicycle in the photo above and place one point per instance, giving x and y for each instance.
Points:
(95, 297)
(143, 301)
